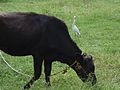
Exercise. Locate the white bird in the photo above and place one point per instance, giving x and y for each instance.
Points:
(74, 27)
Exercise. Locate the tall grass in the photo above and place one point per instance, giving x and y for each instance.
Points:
(99, 23)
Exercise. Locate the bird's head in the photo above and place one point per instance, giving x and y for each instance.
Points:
(74, 17)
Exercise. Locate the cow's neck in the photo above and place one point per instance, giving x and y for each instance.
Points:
(68, 56)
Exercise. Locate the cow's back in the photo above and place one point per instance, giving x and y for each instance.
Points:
(21, 31)
(26, 33)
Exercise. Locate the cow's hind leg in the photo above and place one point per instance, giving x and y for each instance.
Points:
(47, 70)
(37, 71)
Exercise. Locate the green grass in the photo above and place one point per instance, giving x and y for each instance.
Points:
(99, 21)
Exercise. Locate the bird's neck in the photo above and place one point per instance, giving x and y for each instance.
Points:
(74, 22)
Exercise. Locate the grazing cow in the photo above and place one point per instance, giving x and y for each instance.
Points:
(46, 38)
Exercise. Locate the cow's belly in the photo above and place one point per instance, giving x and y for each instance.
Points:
(16, 51)
(18, 47)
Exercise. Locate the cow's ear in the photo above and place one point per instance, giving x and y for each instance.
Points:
(78, 56)
(87, 57)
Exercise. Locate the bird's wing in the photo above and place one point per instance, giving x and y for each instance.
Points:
(76, 29)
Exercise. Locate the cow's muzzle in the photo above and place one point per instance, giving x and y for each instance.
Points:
(91, 78)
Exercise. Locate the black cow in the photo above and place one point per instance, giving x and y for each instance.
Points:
(46, 38)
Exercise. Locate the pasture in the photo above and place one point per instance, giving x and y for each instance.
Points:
(99, 24)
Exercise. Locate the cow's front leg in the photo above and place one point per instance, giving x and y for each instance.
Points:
(47, 70)
(37, 71)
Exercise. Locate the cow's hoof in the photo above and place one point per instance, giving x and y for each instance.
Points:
(26, 87)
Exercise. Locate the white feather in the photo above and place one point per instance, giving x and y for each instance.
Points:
(74, 27)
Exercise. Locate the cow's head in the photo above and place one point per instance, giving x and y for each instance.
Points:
(84, 67)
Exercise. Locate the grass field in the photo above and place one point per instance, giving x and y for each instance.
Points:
(99, 23)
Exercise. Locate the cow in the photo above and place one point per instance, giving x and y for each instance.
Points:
(45, 38)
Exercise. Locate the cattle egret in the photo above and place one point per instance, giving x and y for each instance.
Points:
(74, 27)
